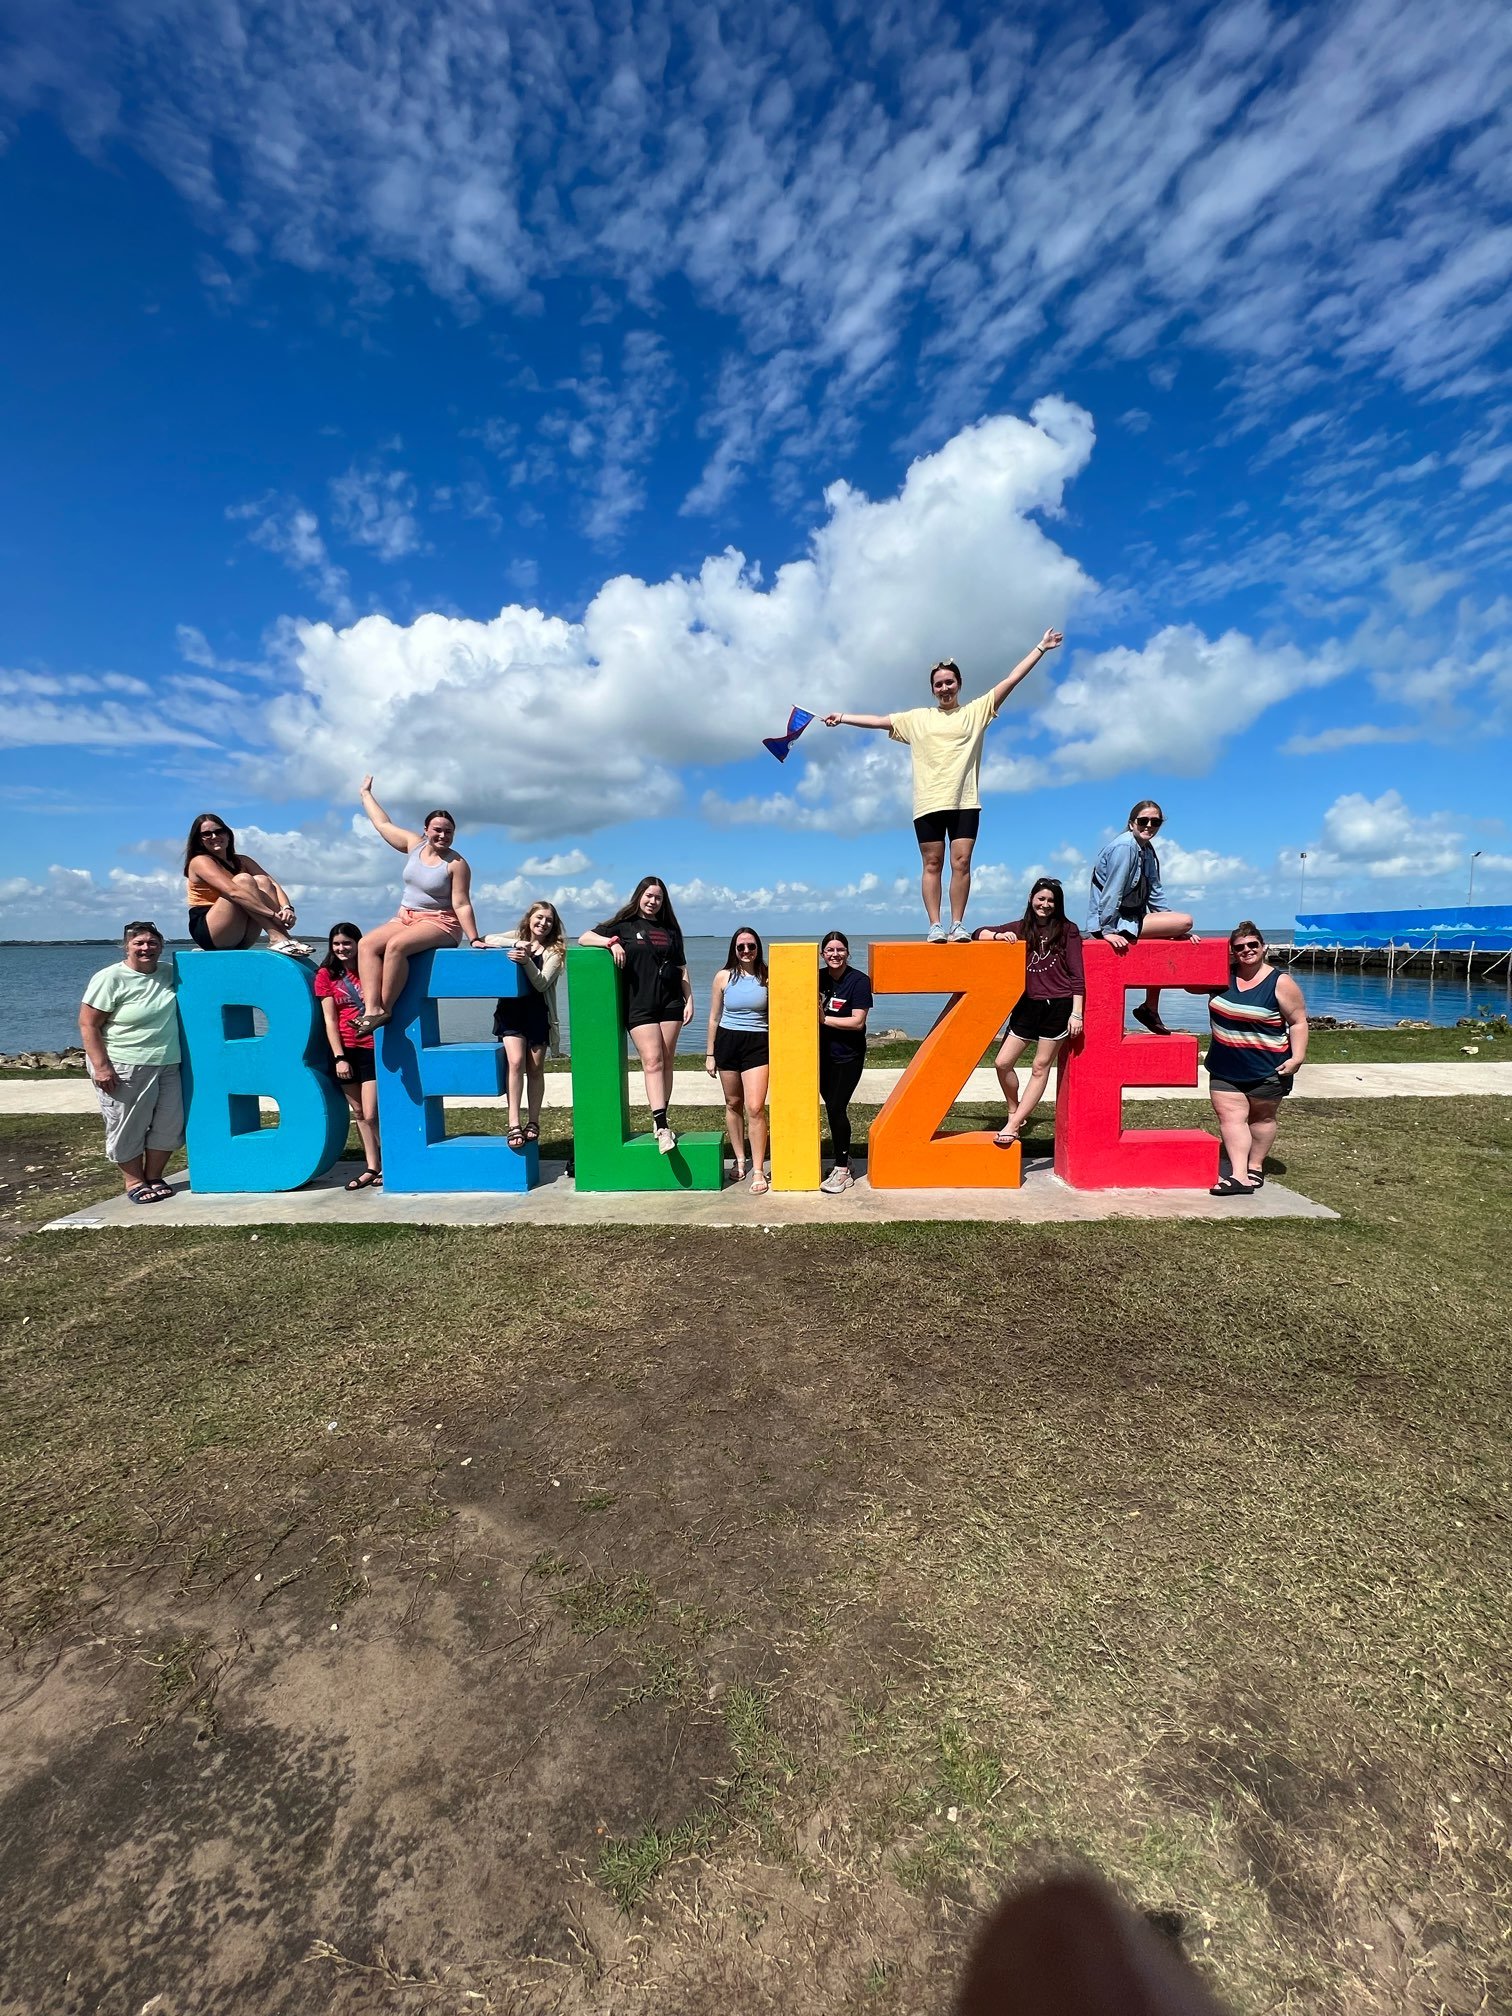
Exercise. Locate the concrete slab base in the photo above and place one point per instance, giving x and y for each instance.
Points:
(1043, 1200)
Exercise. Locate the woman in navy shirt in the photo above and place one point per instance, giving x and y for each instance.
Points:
(845, 997)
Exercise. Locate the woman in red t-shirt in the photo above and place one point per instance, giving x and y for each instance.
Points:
(339, 992)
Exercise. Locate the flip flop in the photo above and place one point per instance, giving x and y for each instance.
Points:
(369, 1179)
(1005, 1137)
(1230, 1186)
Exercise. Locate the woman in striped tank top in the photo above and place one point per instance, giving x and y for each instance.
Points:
(1259, 1041)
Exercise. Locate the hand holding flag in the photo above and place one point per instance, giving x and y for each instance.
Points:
(779, 745)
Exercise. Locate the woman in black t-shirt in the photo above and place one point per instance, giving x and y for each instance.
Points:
(845, 996)
(647, 944)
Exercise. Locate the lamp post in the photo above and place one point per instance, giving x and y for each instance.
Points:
(1473, 859)
(1302, 883)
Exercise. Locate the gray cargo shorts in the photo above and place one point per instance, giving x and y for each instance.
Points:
(146, 1110)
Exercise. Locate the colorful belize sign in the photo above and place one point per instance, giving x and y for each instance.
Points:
(231, 1064)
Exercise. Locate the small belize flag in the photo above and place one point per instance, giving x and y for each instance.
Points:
(779, 745)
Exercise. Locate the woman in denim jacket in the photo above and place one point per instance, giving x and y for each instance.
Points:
(1128, 902)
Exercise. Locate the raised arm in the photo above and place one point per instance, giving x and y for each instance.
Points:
(1051, 641)
(396, 836)
(883, 721)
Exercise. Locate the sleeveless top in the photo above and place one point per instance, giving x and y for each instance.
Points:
(1250, 1036)
(745, 1004)
(201, 894)
(427, 886)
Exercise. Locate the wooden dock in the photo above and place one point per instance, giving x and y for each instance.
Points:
(1422, 960)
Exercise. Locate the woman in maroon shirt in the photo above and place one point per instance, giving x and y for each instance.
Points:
(1049, 1011)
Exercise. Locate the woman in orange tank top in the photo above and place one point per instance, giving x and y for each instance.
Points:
(232, 898)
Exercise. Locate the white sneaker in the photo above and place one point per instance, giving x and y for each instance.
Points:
(959, 935)
(666, 1140)
(935, 935)
(839, 1178)
(295, 947)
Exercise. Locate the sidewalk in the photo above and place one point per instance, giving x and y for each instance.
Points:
(697, 1089)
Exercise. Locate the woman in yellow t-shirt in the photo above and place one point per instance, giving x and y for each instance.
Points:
(946, 743)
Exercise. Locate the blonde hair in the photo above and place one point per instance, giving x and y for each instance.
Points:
(557, 942)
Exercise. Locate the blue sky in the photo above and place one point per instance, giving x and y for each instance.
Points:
(529, 407)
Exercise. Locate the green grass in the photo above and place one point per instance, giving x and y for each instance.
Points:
(933, 1554)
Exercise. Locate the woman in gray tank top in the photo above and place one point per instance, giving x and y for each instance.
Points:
(436, 909)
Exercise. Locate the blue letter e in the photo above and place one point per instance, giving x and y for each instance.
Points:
(228, 1067)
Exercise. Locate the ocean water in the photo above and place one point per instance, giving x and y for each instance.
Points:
(41, 986)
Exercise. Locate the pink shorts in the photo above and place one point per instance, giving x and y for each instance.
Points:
(448, 920)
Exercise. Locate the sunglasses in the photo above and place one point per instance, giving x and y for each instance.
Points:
(748, 948)
(1153, 824)
(209, 832)
(1248, 945)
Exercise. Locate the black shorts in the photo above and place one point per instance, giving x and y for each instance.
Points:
(1036, 1019)
(364, 1067)
(523, 1015)
(655, 1007)
(1267, 1090)
(199, 930)
(741, 1049)
(958, 824)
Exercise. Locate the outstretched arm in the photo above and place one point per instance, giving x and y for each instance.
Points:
(859, 721)
(396, 836)
(1051, 641)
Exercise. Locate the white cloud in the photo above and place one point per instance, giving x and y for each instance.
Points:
(553, 727)
(287, 528)
(1360, 735)
(88, 710)
(375, 507)
(571, 863)
(1171, 706)
(1309, 192)
(1385, 840)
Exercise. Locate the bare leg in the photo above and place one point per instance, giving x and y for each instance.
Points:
(670, 1031)
(132, 1172)
(514, 1050)
(154, 1162)
(932, 854)
(1163, 924)
(1013, 1048)
(535, 1080)
(365, 1112)
(1264, 1115)
(735, 1118)
(1045, 1053)
(1233, 1111)
(754, 1085)
(231, 928)
(646, 1036)
(960, 878)
(370, 950)
(405, 942)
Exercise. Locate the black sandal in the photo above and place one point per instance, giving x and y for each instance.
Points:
(1230, 1186)
(368, 1179)
(1257, 1179)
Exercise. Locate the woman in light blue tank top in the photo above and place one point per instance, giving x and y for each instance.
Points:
(738, 1051)
(435, 908)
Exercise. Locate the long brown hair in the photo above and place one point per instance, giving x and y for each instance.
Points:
(628, 912)
(732, 964)
(1038, 935)
(195, 845)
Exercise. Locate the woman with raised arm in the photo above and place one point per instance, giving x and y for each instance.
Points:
(845, 1000)
(1049, 1011)
(436, 910)
(646, 942)
(1259, 1042)
(739, 1054)
(946, 744)
(1128, 902)
(339, 992)
(232, 898)
(526, 1024)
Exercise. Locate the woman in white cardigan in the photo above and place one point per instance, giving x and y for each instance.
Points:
(527, 1025)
